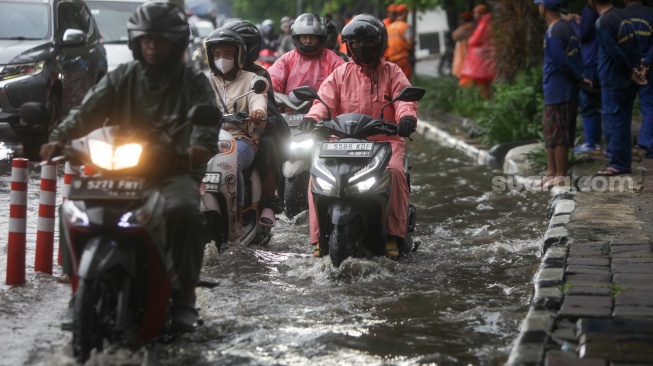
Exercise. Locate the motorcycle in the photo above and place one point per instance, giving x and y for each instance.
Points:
(296, 169)
(219, 187)
(113, 228)
(350, 184)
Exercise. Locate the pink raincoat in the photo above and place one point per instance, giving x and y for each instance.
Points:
(349, 90)
(293, 70)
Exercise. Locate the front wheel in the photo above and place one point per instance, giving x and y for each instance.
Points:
(296, 194)
(87, 326)
(345, 241)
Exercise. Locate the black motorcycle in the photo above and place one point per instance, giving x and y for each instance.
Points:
(350, 184)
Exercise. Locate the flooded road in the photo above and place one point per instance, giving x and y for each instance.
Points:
(458, 300)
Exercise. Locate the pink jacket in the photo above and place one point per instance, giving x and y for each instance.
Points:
(293, 70)
(349, 90)
(480, 58)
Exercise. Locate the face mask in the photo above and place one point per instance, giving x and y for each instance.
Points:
(224, 65)
(364, 55)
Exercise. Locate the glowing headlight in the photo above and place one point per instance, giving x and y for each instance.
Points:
(376, 161)
(365, 185)
(105, 156)
(304, 144)
(224, 146)
(324, 185)
(18, 70)
(319, 164)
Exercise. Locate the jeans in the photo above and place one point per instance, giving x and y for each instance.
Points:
(645, 138)
(246, 155)
(617, 113)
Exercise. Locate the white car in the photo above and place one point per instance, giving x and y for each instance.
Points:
(111, 17)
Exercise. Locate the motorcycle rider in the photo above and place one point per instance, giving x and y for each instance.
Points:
(332, 41)
(309, 63)
(276, 131)
(227, 51)
(364, 86)
(157, 87)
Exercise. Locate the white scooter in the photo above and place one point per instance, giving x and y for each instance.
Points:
(219, 188)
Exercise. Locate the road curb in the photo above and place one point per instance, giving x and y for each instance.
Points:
(432, 132)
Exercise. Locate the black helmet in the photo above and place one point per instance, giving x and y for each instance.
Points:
(332, 36)
(164, 19)
(228, 36)
(252, 37)
(309, 24)
(366, 27)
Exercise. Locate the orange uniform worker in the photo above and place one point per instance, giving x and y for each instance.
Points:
(400, 41)
(391, 15)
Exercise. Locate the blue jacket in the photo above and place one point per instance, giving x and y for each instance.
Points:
(618, 49)
(642, 19)
(586, 32)
(563, 64)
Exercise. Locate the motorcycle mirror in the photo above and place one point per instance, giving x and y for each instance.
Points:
(205, 115)
(33, 113)
(408, 94)
(306, 94)
(259, 85)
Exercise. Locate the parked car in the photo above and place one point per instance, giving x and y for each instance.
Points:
(111, 17)
(201, 29)
(50, 52)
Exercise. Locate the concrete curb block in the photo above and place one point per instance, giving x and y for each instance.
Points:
(435, 133)
(528, 348)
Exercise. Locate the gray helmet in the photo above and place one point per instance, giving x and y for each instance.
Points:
(164, 19)
(228, 36)
(309, 24)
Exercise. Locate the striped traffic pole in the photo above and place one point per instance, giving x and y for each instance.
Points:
(17, 222)
(45, 224)
(68, 176)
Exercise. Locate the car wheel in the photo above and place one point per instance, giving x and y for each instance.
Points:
(42, 134)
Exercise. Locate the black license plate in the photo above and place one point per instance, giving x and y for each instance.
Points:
(347, 149)
(83, 188)
(293, 120)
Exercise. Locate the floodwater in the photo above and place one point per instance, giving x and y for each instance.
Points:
(458, 300)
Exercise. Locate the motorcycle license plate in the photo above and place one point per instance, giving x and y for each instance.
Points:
(293, 120)
(212, 181)
(346, 149)
(83, 188)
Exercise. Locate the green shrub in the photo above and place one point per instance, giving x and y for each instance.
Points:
(515, 110)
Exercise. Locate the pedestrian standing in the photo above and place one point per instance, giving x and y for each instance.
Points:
(589, 98)
(479, 67)
(400, 42)
(642, 19)
(562, 74)
(618, 65)
(460, 36)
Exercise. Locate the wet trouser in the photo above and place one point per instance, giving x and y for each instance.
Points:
(645, 138)
(398, 203)
(267, 157)
(590, 111)
(246, 156)
(617, 113)
(185, 227)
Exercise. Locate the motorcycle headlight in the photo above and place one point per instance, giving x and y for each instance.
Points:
(141, 216)
(365, 185)
(224, 146)
(303, 144)
(321, 167)
(376, 161)
(18, 70)
(106, 157)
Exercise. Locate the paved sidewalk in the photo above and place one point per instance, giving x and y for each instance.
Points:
(593, 293)
(593, 298)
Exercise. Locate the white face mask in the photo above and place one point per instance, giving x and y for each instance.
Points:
(224, 65)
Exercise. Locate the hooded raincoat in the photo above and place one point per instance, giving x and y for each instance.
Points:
(353, 89)
(294, 69)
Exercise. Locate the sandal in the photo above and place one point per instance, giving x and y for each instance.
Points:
(609, 172)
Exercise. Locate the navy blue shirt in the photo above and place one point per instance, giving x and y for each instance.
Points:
(642, 19)
(586, 32)
(618, 49)
(563, 64)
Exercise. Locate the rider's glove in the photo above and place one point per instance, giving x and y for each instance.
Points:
(307, 124)
(406, 126)
(50, 150)
(197, 156)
